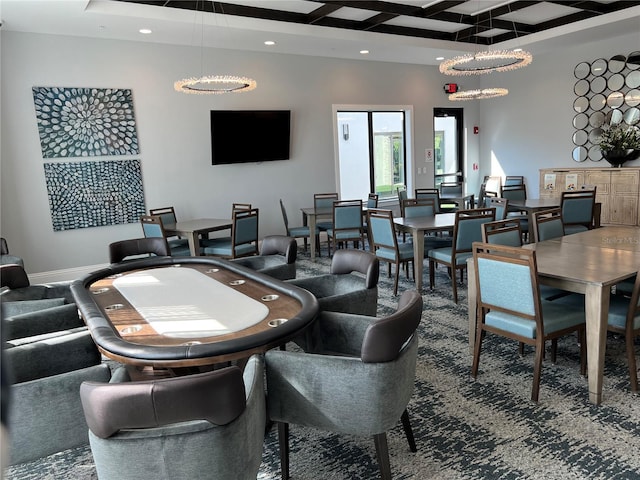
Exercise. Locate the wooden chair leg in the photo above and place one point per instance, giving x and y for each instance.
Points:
(406, 424)
(554, 349)
(395, 280)
(521, 348)
(432, 273)
(631, 361)
(382, 452)
(477, 348)
(537, 370)
(455, 287)
(582, 338)
(283, 442)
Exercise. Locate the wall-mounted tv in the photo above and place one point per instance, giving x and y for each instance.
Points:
(241, 136)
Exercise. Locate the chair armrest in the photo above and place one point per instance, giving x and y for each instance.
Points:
(53, 319)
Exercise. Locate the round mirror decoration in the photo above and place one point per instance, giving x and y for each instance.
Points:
(607, 93)
(581, 88)
(615, 82)
(579, 154)
(582, 70)
(596, 119)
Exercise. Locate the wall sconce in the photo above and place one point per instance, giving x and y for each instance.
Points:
(345, 131)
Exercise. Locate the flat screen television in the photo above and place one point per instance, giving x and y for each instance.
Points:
(242, 136)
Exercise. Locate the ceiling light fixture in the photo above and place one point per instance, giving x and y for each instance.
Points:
(213, 84)
(479, 94)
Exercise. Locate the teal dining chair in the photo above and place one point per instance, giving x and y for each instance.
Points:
(303, 231)
(244, 237)
(502, 232)
(509, 304)
(547, 224)
(152, 226)
(577, 210)
(347, 224)
(429, 193)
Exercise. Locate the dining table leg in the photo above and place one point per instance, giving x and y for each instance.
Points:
(194, 243)
(596, 302)
(311, 218)
(418, 257)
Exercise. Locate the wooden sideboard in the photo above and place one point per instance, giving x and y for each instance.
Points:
(618, 190)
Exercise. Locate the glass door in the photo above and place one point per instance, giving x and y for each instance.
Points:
(447, 143)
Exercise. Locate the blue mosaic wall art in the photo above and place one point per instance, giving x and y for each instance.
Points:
(94, 194)
(85, 122)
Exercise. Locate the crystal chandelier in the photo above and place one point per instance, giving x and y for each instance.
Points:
(486, 62)
(479, 94)
(213, 84)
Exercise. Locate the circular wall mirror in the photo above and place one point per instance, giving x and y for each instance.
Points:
(597, 102)
(615, 99)
(613, 117)
(580, 137)
(598, 84)
(616, 63)
(581, 104)
(595, 154)
(580, 121)
(581, 88)
(632, 116)
(633, 79)
(632, 98)
(615, 82)
(594, 135)
(579, 154)
(582, 70)
(633, 61)
(596, 119)
(599, 67)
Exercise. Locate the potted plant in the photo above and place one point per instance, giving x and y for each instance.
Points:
(620, 143)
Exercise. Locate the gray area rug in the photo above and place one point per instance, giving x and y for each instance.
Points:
(464, 429)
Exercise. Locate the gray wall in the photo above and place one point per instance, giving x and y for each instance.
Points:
(529, 129)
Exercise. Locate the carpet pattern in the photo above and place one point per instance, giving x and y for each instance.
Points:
(464, 429)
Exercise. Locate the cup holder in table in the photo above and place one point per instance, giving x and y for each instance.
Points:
(276, 322)
(270, 298)
(130, 329)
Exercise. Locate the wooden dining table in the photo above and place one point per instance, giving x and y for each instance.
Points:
(418, 226)
(588, 263)
(192, 229)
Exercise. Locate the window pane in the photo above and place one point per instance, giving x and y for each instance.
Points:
(388, 152)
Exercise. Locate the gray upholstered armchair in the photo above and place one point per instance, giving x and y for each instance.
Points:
(45, 414)
(121, 250)
(205, 426)
(341, 290)
(6, 258)
(19, 288)
(277, 257)
(358, 381)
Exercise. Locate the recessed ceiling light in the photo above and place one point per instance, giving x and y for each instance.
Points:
(439, 58)
(364, 52)
(145, 31)
(269, 42)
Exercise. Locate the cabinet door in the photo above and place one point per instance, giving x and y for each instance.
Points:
(552, 183)
(623, 208)
(602, 181)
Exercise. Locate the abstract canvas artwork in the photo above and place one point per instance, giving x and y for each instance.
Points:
(95, 193)
(85, 122)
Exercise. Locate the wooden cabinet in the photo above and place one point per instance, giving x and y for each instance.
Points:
(618, 190)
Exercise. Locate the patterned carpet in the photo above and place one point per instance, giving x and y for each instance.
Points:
(465, 429)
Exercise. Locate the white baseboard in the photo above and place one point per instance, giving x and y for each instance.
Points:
(63, 275)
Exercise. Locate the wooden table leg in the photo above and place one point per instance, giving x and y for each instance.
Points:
(596, 301)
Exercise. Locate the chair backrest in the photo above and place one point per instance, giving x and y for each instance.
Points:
(548, 224)
(402, 196)
(451, 188)
(384, 338)
(152, 226)
(118, 251)
(503, 232)
(347, 261)
(468, 228)
(493, 184)
(414, 207)
(429, 193)
(514, 193)
(577, 207)
(280, 245)
(167, 214)
(500, 204)
(324, 201)
(511, 180)
(585, 186)
(506, 279)
(347, 215)
(382, 230)
(240, 206)
(4, 248)
(372, 200)
(284, 216)
(244, 228)
(13, 276)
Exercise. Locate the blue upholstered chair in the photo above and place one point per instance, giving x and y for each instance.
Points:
(500, 204)
(451, 189)
(372, 200)
(277, 257)
(205, 426)
(300, 232)
(402, 196)
(547, 224)
(324, 201)
(153, 227)
(429, 193)
(502, 232)
(357, 380)
(385, 243)
(426, 207)
(577, 210)
(467, 229)
(513, 180)
(347, 224)
(134, 247)
(350, 287)
(517, 193)
(244, 237)
(509, 304)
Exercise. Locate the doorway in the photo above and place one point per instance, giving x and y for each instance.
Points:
(448, 145)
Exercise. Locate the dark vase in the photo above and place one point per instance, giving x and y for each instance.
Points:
(618, 157)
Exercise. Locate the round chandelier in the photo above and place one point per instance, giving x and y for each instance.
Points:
(479, 94)
(215, 85)
(487, 61)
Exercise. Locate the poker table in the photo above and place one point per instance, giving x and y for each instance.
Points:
(167, 312)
